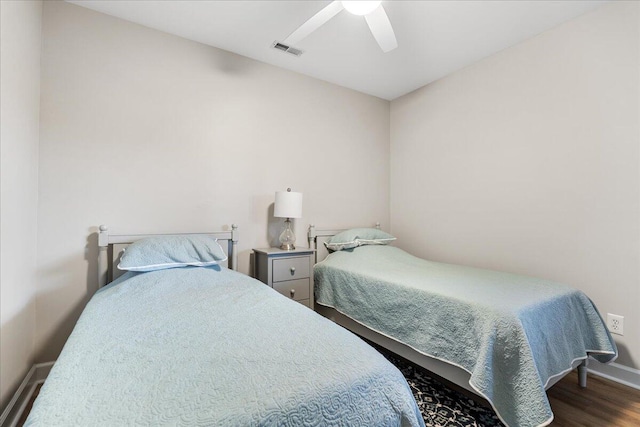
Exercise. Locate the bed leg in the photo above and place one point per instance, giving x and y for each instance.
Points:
(582, 373)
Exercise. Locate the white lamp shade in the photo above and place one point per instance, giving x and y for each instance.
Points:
(288, 205)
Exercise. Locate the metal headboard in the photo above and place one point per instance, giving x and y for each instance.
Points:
(111, 245)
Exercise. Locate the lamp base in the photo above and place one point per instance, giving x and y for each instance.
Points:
(287, 238)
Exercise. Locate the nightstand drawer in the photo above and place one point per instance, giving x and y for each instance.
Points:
(290, 268)
(294, 289)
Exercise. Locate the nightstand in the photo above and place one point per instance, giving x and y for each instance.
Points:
(288, 272)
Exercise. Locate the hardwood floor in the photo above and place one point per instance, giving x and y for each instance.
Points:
(603, 403)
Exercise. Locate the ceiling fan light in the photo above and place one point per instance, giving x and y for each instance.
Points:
(361, 8)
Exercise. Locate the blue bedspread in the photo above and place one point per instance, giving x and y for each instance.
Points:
(511, 333)
(212, 347)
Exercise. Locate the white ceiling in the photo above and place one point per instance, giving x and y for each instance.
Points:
(435, 38)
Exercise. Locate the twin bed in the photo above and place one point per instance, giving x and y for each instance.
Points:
(200, 344)
(204, 345)
(502, 336)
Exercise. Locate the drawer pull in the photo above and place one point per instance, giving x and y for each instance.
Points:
(293, 293)
(293, 270)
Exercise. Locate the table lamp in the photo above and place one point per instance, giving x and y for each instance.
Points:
(288, 205)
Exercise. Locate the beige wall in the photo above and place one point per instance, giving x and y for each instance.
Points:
(148, 132)
(19, 113)
(528, 161)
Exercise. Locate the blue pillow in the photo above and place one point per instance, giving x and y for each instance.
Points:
(358, 237)
(161, 252)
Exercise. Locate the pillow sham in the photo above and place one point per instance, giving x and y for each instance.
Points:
(358, 237)
(162, 252)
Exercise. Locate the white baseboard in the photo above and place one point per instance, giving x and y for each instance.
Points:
(36, 375)
(616, 372)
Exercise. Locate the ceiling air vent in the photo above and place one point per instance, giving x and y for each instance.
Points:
(283, 47)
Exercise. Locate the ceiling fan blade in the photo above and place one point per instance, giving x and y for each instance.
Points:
(381, 29)
(315, 22)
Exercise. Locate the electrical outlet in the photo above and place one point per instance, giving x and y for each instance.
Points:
(615, 323)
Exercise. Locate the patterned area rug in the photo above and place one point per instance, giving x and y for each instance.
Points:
(440, 405)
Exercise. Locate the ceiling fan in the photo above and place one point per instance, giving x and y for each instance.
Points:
(372, 11)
